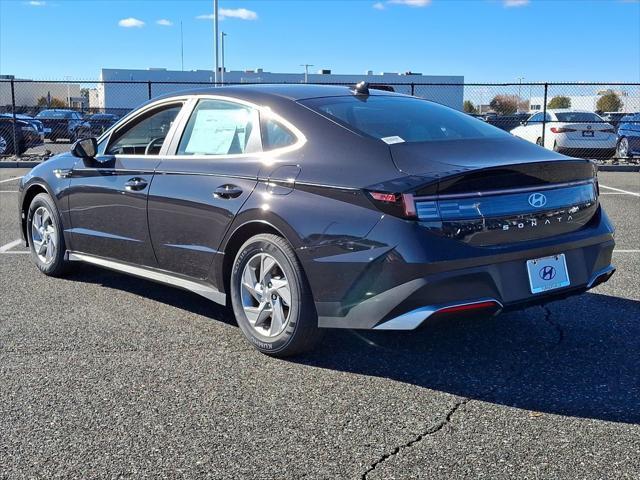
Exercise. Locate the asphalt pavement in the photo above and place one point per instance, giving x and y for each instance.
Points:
(107, 376)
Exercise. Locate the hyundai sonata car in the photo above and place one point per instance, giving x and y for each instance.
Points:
(572, 132)
(311, 207)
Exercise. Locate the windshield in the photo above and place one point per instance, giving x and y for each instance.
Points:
(54, 114)
(578, 117)
(402, 119)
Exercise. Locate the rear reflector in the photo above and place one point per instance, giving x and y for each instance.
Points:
(471, 306)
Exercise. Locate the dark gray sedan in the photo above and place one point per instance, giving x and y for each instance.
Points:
(310, 207)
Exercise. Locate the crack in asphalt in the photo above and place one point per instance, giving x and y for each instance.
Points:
(430, 431)
(548, 317)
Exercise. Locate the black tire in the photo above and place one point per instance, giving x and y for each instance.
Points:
(301, 332)
(618, 152)
(55, 266)
(539, 142)
(6, 143)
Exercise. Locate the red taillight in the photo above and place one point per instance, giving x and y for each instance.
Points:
(562, 129)
(471, 306)
(384, 197)
(398, 204)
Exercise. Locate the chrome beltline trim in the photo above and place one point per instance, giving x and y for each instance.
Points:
(206, 291)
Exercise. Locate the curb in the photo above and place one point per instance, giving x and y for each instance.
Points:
(619, 168)
(19, 164)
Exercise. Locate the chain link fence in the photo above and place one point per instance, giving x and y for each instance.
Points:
(588, 120)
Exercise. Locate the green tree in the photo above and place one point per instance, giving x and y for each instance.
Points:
(609, 102)
(55, 103)
(469, 107)
(504, 104)
(559, 101)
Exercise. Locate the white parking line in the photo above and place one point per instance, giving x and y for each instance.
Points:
(16, 252)
(621, 191)
(10, 179)
(626, 251)
(10, 245)
(8, 191)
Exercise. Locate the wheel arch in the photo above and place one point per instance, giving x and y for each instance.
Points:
(242, 229)
(29, 194)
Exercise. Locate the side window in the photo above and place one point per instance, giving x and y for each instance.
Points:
(536, 118)
(218, 127)
(144, 136)
(275, 135)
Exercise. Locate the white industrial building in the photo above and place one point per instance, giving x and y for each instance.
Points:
(630, 103)
(28, 92)
(127, 95)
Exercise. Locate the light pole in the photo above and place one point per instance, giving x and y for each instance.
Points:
(306, 71)
(222, 45)
(215, 40)
(519, 86)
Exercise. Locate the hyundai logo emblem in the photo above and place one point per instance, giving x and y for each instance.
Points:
(537, 200)
(547, 273)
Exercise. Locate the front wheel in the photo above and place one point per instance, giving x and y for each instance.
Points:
(271, 299)
(6, 144)
(623, 148)
(46, 240)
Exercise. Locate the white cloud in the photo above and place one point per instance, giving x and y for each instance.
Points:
(36, 3)
(378, 6)
(515, 3)
(131, 23)
(241, 13)
(411, 3)
(164, 22)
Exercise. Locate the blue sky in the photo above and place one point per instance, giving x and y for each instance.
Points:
(484, 40)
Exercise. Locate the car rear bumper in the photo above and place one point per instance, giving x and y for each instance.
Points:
(395, 291)
(594, 152)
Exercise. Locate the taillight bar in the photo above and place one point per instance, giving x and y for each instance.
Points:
(398, 204)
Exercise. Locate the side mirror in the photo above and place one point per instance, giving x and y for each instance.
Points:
(85, 148)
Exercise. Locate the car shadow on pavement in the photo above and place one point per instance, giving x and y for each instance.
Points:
(579, 357)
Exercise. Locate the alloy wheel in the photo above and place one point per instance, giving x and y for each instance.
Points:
(266, 296)
(623, 148)
(3, 145)
(44, 235)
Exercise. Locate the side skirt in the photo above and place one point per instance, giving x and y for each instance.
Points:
(159, 276)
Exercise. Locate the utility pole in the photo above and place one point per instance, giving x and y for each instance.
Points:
(519, 86)
(181, 48)
(222, 45)
(215, 41)
(306, 71)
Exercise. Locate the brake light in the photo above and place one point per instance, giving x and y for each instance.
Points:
(397, 204)
(562, 129)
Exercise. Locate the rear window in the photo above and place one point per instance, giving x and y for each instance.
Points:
(53, 114)
(402, 119)
(578, 117)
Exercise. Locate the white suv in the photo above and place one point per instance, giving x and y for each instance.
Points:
(573, 132)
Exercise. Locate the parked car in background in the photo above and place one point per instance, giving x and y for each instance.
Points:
(576, 133)
(29, 133)
(614, 118)
(629, 136)
(308, 207)
(60, 123)
(506, 122)
(100, 122)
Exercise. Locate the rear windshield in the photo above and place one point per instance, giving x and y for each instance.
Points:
(53, 114)
(578, 117)
(402, 119)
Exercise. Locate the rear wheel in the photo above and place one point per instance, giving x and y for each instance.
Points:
(46, 240)
(623, 148)
(271, 299)
(6, 144)
(539, 142)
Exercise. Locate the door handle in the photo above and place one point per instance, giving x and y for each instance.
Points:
(227, 191)
(135, 184)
